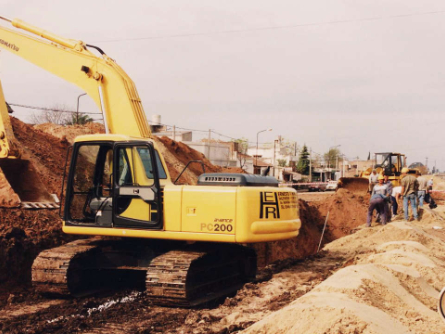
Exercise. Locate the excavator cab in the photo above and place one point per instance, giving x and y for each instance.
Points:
(115, 184)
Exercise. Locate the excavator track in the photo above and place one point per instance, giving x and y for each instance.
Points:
(53, 271)
(189, 278)
(185, 276)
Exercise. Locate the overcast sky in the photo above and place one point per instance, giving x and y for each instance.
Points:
(367, 75)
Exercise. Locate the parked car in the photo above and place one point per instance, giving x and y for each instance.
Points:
(332, 185)
(319, 186)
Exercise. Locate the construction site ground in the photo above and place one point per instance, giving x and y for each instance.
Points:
(383, 279)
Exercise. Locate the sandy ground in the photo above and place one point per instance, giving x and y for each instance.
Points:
(390, 284)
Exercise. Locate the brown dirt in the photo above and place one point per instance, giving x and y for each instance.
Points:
(177, 155)
(347, 211)
(46, 152)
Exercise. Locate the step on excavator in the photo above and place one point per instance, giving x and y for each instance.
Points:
(184, 245)
(20, 185)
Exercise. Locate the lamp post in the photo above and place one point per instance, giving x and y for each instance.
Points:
(77, 110)
(256, 158)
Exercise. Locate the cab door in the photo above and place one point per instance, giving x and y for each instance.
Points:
(137, 198)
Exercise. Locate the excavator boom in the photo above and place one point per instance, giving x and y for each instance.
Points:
(100, 77)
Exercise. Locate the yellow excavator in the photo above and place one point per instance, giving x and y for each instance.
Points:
(183, 244)
(387, 163)
(20, 185)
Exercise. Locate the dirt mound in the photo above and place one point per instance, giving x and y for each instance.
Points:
(347, 211)
(69, 132)
(177, 155)
(24, 233)
(390, 285)
(46, 152)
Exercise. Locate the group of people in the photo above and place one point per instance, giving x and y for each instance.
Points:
(413, 189)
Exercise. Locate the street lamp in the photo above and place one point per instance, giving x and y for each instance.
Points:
(256, 158)
(77, 110)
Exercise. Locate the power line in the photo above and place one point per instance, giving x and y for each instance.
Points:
(52, 109)
(236, 31)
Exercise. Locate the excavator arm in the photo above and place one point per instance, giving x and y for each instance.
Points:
(100, 77)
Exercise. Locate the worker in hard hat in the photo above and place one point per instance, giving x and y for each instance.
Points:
(410, 185)
(378, 202)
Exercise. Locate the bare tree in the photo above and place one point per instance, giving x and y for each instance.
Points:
(57, 114)
(243, 145)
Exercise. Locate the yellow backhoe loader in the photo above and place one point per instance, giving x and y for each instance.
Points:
(183, 244)
(20, 184)
(387, 163)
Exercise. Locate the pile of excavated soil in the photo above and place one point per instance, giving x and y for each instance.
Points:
(69, 132)
(24, 233)
(177, 155)
(46, 152)
(390, 284)
(347, 210)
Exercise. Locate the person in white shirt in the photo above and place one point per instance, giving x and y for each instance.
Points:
(373, 179)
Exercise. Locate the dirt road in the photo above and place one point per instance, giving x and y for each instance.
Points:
(131, 312)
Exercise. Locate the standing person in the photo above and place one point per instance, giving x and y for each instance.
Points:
(423, 189)
(381, 189)
(395, 197)
(373, 179)
(409, 193)
(389, 187)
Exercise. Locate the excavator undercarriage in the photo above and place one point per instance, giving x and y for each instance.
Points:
(171, 274)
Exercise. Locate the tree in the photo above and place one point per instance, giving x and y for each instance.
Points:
(79, 119)
(303, 162)
(282, 162)
(331, 157)
(243, 145)
(58, 114)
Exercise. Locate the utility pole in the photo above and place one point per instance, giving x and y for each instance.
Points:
(310, 165)
(273, 162)
(210, 138)
(343, 165)
(356, 168)
(174, 132)
(426, 162)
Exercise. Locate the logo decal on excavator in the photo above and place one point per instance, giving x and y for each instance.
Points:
(9, 45)
(269, 205)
